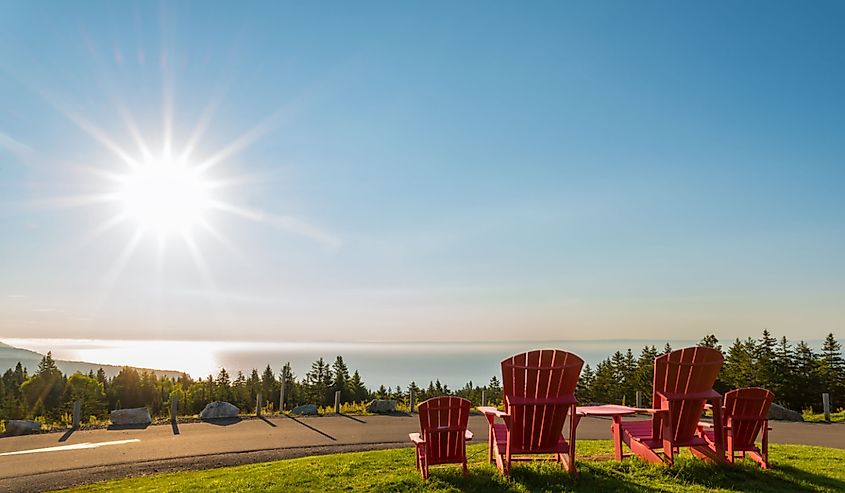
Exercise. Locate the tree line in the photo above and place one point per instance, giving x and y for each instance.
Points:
(794, 372)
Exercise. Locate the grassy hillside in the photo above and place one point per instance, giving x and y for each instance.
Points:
(796, 468)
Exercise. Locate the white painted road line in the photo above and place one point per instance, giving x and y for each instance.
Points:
(76, 446)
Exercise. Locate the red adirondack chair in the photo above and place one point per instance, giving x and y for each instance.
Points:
(743, 417)
(683, 383)
(539, 394)
(443, 433)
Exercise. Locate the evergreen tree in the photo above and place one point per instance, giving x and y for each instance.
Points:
(357, 389)
(318, 383)
(125, 389)
(710, 341)
(269, 386)
(832, 371)
(643, 377)
(223, 386)
(763, 357)
(585, 383)
(289, 378)
(42, 392)
(253, 385)
(494, 391)
(784, 385)
(340, 380)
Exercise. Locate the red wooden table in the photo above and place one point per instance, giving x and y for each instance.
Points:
(608, 410)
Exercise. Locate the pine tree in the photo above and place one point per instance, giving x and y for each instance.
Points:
(494, 391)
(808, 388)
(340, 380)
(42, 391)
(292, 390)
(269, 385)
(784, 385)
(832, 371)
(585, 382)
(644, 374)
(318, 383)
(223, 386)
(764, 361)
(710, 341)
(738, 370)
(357, 389)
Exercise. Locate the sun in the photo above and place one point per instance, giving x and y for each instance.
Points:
(165, 196)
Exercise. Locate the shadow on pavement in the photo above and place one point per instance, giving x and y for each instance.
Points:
(175, 426)
(67, 435)
(262, 418)
(313, 429)
(353, 418)
(222, 421)
(139, 426)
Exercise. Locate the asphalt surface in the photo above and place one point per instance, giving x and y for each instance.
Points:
(55, 460)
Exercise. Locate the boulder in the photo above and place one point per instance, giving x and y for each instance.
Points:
(15, 427)
(219, 410)
(381, 406)
(133, 416)
(783, 414)
(305, 409)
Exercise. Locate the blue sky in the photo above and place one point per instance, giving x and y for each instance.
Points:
(430, 171)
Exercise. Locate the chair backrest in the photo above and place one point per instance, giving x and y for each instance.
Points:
(443, 424)
(745, 410)
(690, 374)
(539, 387)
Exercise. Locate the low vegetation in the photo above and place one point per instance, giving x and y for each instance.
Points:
(796, 468)
(837, 417)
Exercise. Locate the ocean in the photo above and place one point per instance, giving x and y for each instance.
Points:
(379, 363)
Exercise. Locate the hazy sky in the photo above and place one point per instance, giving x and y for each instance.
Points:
(426, 171)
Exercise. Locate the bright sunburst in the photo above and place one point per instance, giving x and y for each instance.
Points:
(165, 196)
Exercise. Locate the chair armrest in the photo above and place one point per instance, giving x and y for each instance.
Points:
(655, 412)
(416, 438)
(468, 435)
(492, 411)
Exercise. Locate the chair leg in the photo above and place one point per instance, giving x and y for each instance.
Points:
(668, 446)
(570, 457)
(616, 430)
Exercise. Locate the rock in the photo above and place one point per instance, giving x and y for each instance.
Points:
(305, 409)
(219, 410)
(381, 406)
(15, 427)
(783, 414)
(133, 416)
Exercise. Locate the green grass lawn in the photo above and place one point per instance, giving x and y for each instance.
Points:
(796, 468)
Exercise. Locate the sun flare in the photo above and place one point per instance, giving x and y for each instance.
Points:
(165, 196)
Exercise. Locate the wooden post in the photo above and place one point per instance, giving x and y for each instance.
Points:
(282, 397)
(826, 406)
(77, 413)
(174, 407)
(483, 397)
(639, 398)
(258, 403)
(412, 397)
(337, 402)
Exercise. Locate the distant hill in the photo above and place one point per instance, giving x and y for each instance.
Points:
(10, 356)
